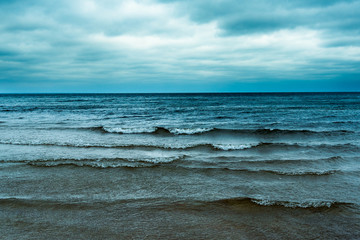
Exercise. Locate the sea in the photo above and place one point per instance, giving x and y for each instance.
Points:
(180, 166)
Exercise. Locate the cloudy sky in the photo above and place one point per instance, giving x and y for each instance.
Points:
(179, 45)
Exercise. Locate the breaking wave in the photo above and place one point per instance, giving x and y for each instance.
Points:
(209, 146)
(201, 146)
(199, 130)
(242, 202)
(287, 204)
(178, 163)
(267, 146)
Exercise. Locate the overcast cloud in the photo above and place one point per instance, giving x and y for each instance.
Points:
(180, 45)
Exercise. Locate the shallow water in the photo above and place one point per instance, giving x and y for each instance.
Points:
(237, 166)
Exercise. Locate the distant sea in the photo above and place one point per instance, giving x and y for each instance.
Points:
(180, 166)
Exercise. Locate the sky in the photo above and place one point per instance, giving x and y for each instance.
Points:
(179, 46)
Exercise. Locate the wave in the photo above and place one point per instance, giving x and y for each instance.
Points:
(275, 172)
(300, 146)
(73, 202)
(100, 165)
(202, 131)
(151, 130)
(100, 161)
(255, 160)
(74, 100)
(246, 202)
(300, 173)
(50, 203)
(262, 146)
(109, 163)
(177, 162)
(288, 204)
(189, 131)
(200, 146)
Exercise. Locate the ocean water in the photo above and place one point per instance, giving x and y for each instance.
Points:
(180, 166)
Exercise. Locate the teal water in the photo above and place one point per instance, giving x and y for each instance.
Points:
(239, 166)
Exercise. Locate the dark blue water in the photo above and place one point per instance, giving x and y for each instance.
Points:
(180, 165)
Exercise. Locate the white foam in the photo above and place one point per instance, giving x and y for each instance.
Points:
(189, 131)
(303, 204)
(227, 147)
(129, 130)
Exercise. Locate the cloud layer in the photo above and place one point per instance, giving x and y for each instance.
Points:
(148, 45)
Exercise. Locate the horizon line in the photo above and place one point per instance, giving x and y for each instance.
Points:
(15, 93)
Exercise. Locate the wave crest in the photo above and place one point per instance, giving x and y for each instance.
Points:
(201, 130)
(199, 146)
(278, 203)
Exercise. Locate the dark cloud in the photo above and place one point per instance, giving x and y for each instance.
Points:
(261, 16)
(81, 44)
